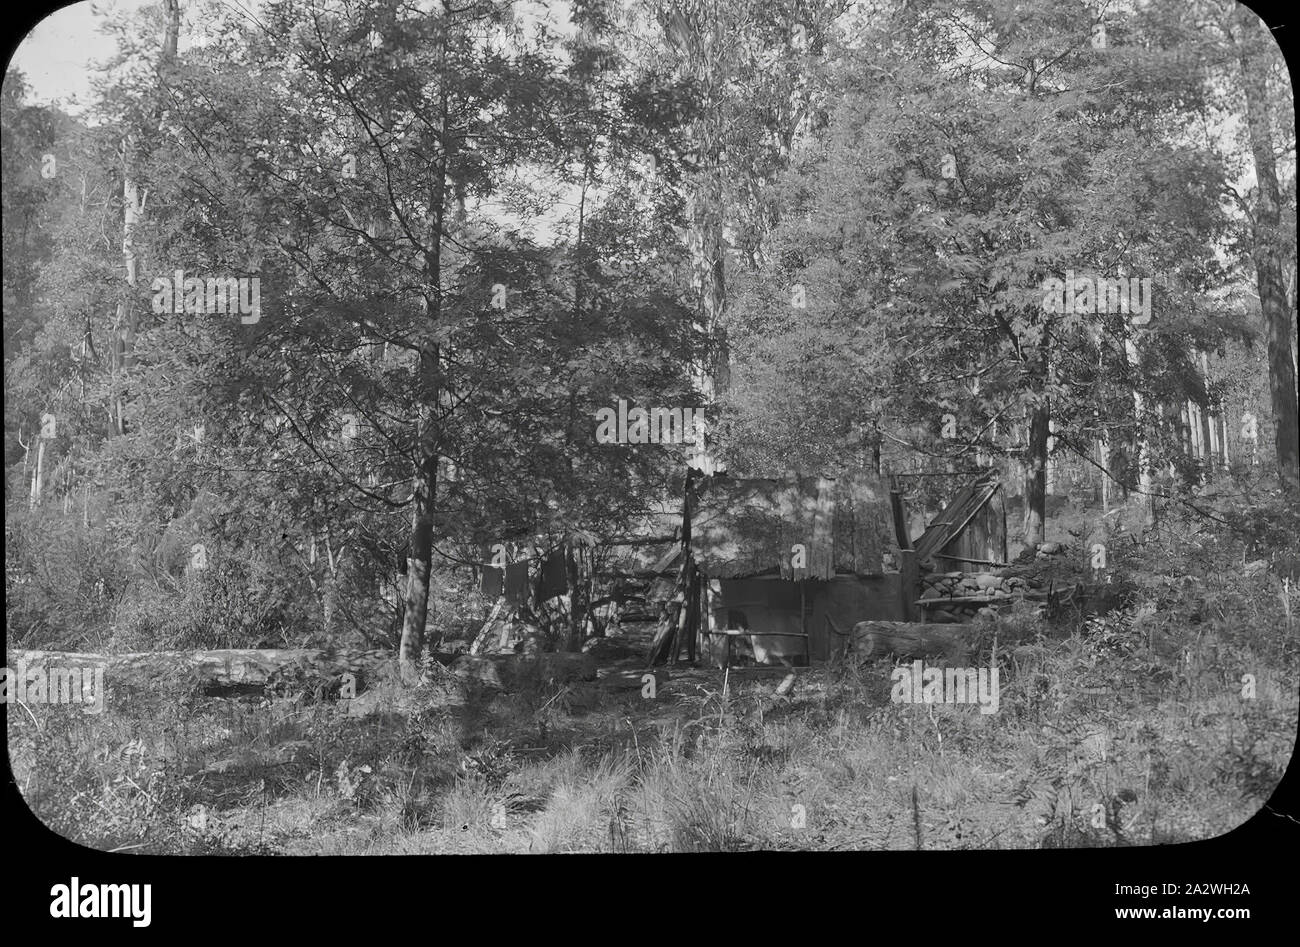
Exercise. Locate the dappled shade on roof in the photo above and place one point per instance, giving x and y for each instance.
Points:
(746, 527)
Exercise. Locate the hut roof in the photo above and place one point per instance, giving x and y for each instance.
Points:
(957, 515)
(746, 527)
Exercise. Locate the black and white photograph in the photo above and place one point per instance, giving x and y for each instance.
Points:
(633, 427)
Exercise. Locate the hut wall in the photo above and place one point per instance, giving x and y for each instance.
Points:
(847, 600)
(773, 605)
(768, 604)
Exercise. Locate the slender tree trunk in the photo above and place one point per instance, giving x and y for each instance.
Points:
(1223, 440)
(331, 587)
(172, 30)
(398, 595)
(125, 324)
(1266, 251)
(420, 554)
(1103, 459)
(1144, 481)
(1209, 425)
(1036, 474)
(1210, 438)
(418, 569)
(573, 578)
(38, 474)
(701, 45)
(1051, 481)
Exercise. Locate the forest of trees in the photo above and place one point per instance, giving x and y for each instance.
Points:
(473, 224)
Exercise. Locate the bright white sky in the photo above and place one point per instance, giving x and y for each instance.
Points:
(58, 56)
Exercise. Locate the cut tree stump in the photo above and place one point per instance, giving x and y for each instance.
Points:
(877, 639)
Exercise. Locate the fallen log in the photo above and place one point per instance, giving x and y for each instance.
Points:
(877, 639)
(235, 667)
(248, 670)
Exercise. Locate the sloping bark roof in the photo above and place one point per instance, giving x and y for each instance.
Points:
(745, 527)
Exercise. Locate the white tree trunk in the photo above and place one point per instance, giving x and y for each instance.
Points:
(1144, 455)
